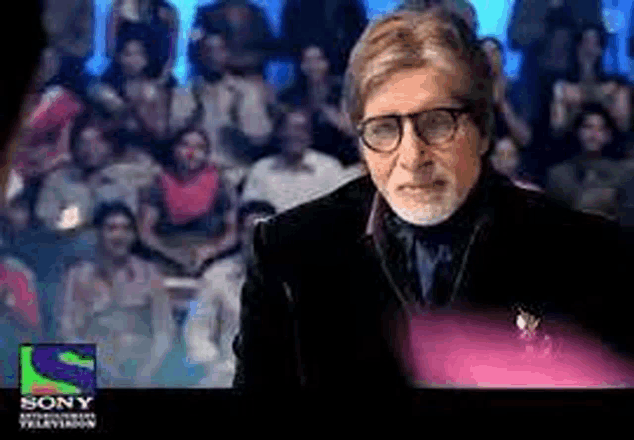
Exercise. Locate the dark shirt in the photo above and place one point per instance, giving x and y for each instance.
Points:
(430, 254)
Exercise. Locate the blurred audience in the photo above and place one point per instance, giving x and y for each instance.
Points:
(188, 214)
(509, 126)
(195, 165)
(118, 301)
(163, 19)
(299, 173)
(70, 27)
(238, 112)
(246, 30)
(320, 92)
(587, 83)
(506, 160)
(590, 180)
(214, 325)
(69, 194)
(132, 92)
(339, 22)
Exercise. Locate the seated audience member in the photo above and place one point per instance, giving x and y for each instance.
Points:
(132, 93)
(321, 93)
(237, 112)
(509, 126)
(589, 181)
(48, 253)
(70, 28)
(214, 325)
(506, 160)
(68, 195)
(546, 41)
(161, 16)
(298, 174)
(246, 30)
(188, 215)
(588, 84)
(19, 315)
(118, 301)
(44, 140)
(339, 22)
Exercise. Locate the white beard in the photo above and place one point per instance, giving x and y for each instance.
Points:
(429, 214)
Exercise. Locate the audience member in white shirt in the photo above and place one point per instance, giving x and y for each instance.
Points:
(298, 174)
(214, 324)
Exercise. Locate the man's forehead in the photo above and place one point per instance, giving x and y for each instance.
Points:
(419, 89)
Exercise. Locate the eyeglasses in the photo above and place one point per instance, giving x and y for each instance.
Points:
(436, 127)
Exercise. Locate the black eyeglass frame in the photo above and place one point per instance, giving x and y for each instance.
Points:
(455, 114)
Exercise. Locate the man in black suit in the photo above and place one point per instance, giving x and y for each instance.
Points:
(432, 227)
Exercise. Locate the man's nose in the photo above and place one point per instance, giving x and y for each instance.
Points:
(413, 152)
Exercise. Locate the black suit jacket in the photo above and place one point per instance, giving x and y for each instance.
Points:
(324, 299)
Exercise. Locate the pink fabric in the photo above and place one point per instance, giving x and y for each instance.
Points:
(189, 200)
(26, 304)
(54, 115)
(475, 351)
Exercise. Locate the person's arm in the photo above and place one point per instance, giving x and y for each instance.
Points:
(622, 108)
(265, 347)
(162, 326)
(229, 238)
(148, 220)
(49, 204)
(254, 119)
(559, 112)
(518, 128)
(72, 316)
(200, 327)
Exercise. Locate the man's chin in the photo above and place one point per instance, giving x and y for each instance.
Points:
(428, 214)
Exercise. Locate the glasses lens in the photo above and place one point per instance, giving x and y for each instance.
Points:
(381, 134)
(436, 126)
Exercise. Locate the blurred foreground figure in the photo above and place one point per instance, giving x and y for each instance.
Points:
(15, 82)
(333, 286)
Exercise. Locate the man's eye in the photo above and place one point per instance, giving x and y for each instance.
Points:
(382, 128)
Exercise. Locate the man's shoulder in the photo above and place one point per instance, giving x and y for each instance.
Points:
(539, 209)
(322, 160)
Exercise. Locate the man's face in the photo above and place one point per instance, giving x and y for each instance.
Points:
(594, 134)
(133, 58)
(314, 62)
(425, 184)
(40, 153)
(297, 135)
(118, 236)
(93, 151)
(215, 52)
(591, 44)
(506, 158)
(190, 151)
